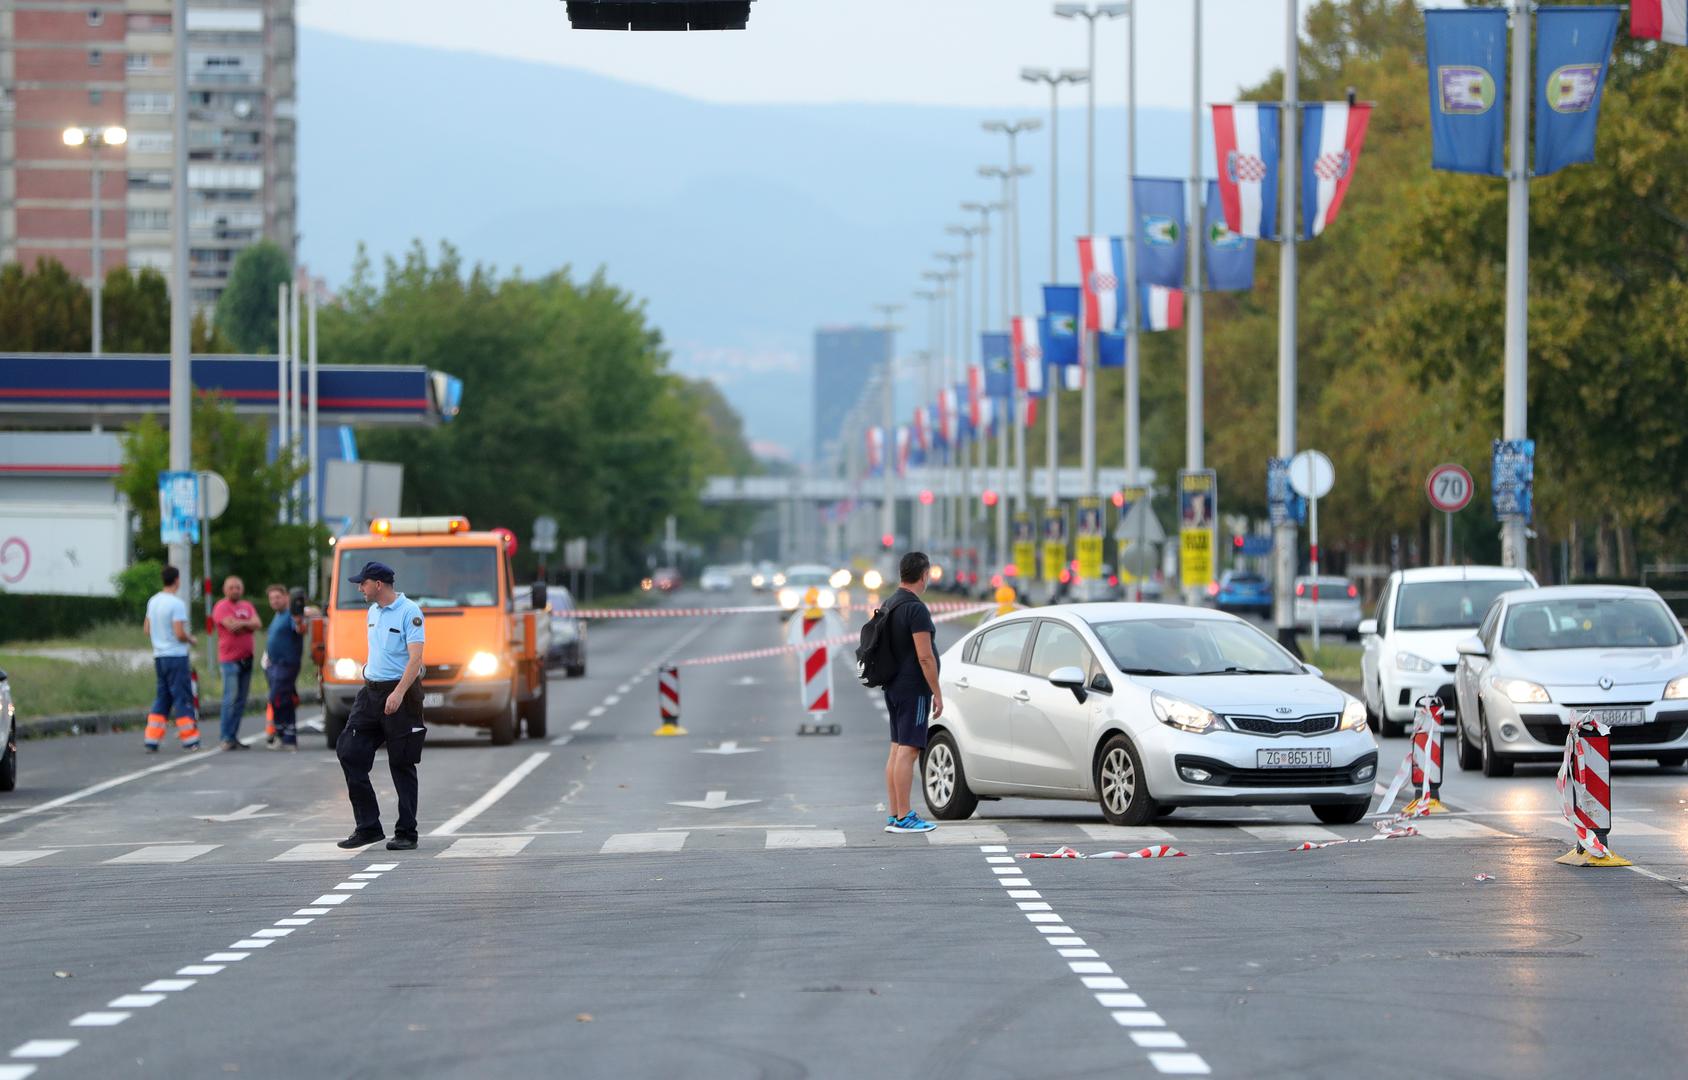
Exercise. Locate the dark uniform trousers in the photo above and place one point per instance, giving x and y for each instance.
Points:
(369, 727)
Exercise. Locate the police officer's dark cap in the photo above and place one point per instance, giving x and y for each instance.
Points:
(373, 571)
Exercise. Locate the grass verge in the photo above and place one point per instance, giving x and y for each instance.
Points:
(43, 686)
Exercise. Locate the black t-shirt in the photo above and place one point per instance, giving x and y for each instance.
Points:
(909, 616)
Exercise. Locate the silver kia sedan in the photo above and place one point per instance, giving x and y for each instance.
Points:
(1144, 708)
(1612, 653)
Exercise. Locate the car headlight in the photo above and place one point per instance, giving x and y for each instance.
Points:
(483, 664)
(779, 579)
(1354, 715)
(1407, 661)
(1521, 691)
(345, 668)
(789, 599)
(1677, 690)
(1184, 715)
(872, 580)
(826, 598)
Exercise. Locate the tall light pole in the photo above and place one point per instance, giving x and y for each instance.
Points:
(181, 291)
(999, 554)
(1051, 378)
(1087, 421)
(888, 504)
(1011, 272)
(932, 296)
(1194, 430)
(1515, 399)
(946, 385)
(1283, 536)
(96, 139)
(966, 349)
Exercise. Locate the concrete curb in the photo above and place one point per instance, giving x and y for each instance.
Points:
(95, 723)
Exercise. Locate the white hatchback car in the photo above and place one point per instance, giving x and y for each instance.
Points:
(1407, 649)
(1610, 653)
(1145, 708)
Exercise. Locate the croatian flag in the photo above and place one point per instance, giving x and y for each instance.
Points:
(1246, 142)
(987, 417)
(975, 393)
(1101, 263)
(1330, 148)
(902, 449)
(1659, 20)
(1028, 357)
(922, 430)
(1163, 308)
(947, 417)
(875, 450)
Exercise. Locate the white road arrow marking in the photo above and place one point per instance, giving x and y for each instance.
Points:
(730, 747)
(245, 813)
(746, 680)
(715, 800)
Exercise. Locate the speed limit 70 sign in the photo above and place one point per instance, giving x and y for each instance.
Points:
(1449, 488)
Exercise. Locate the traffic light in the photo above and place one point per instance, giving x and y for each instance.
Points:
(887, 541)
(988, 498)
(1237, 544)
(1118, 499)
(925, 497)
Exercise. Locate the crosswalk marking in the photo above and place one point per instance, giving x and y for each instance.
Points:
(1289, 834)
(966, 834)
(805, 838)
(325, 851)
(485, 847)
(635, 843)
(165, 853)
(1125, 833)
(1455, 829)
(18, 858)
(1621, 827)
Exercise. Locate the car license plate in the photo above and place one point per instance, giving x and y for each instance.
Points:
(1292, 759)
(433, 701)
(1612, 717)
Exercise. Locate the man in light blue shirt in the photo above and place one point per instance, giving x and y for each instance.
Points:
(167, 625)
(388, 710)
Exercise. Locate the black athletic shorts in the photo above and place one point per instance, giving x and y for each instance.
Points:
(908, 719)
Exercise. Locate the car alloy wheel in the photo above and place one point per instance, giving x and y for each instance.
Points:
(1121, 788)
(940, 774)
(943, 780)
(1119, 780)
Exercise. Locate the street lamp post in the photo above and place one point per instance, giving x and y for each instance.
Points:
(999, 554)
(1087, 423)
(888, 506)
(965, 349)
(934, 378)
(96, 139)
(1011, 181)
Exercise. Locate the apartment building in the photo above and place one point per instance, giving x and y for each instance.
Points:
(95, 63)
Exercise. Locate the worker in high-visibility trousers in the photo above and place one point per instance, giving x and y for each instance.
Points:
(167, 625)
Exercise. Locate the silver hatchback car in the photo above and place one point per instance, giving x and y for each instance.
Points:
(1144, 708)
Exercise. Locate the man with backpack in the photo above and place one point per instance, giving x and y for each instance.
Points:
(897, 655)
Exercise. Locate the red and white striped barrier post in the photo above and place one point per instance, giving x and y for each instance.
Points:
(1585, 793)
(817, 672)
(1428, 740)
(668, 700)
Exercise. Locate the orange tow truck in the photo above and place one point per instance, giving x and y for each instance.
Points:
(484, 661)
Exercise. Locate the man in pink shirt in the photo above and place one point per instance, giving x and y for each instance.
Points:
(236, 621)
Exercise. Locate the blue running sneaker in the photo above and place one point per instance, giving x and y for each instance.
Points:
(890, 824)
(910, 823)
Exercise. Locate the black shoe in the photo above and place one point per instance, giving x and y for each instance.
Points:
(402, 843)
(362, 839)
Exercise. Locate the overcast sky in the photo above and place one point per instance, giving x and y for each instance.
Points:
(940, 52)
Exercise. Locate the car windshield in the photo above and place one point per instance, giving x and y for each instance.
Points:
(433, 577)
(1449, 605)
(801, 577)
(1174, 646)
(1244, 578)
(559, 599)
(1611, 623)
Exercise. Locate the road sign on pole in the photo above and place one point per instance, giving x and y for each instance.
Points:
(544, 535)
(1312, 474)
(178, 508)
(213, 495)
(1449, 487)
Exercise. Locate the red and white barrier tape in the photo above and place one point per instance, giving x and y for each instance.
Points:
(1423, 721)
(1163, 851)
(754, 609)
(785, 650)
(1575, 799)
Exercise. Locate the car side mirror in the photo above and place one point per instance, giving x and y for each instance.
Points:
(1070, 678)
(1471, 646)
(1317, 673)
(1368, 627)
(539, 596)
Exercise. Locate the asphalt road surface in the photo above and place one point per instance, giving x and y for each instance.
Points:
(606, 903)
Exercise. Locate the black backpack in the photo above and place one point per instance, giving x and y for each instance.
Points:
(875, 663)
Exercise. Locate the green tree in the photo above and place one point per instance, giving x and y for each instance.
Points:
(135, 308)
(44, 310)
(247, 310)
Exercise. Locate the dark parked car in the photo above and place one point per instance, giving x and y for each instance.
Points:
(568, 634)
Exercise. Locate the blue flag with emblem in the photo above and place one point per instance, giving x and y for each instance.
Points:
(1467, 54)
(1059, 326)
(1160, 231)
(1573, 48)
(998, 351)
(1110, 349)
(1228, 257)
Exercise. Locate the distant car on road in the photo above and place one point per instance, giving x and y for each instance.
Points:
(568, 634)
(1241, 590)
(1144, 708)
(1612, 654)
(1338, 605)
(798, 580)
(8, 749)
(1095, 590)
(716, 579)
(1408, 647)
(666, 579)
(766, 576)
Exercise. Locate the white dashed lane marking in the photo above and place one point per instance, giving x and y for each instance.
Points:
(1148, 1028)
(325, 851)
(805, 838)
(582, 725)
(486, 847)
(18, 858)
(45, 1048)
(641, 843)
(165, 853)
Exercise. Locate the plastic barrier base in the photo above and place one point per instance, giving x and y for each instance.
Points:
(1430, 805)
(669, 729)
(1579, 857)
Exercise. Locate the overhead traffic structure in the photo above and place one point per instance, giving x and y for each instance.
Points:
(659, 14)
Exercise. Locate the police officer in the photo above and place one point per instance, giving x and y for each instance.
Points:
(388, 710)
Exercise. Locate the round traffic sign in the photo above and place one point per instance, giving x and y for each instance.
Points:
(1311, 474)
(213, 494)
(1449, 487)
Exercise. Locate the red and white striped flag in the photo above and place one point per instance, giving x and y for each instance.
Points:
(1028, 357)
(1659, 20)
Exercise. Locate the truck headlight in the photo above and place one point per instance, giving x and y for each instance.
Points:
(1407, 661)
(345, 669)
(483, 664)
(1522, 691)
(1184, 715)
(1354, 715)
(1677, 690)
